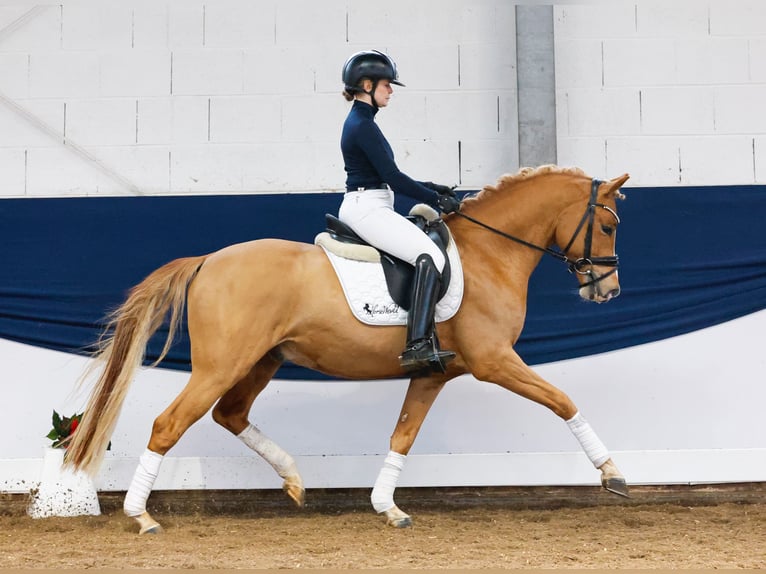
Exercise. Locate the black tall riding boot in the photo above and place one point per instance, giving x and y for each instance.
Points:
(422, 351)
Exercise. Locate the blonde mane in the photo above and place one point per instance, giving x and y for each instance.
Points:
(510, 179)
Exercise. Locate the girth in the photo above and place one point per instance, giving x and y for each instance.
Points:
(398, 273)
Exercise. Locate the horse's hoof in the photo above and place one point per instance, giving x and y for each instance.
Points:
(616, 485)
(405, 522)
(294, 489)
(397, 518)
(147, 524)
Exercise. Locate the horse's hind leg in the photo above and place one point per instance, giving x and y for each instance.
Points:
(195, 400)
(232, 412)
(421, 394)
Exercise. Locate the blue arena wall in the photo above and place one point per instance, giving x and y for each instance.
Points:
(691, 257)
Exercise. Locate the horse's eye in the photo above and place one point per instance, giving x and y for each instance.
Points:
(607, 229)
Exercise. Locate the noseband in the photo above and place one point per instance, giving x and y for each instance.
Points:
(582, 265)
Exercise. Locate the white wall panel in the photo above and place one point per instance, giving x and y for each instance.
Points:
(433, 160)
(208, 169)
(59, 171)
(237, 24)
(150, 28)
(14, 75)
(721, 160)
(757, 59)
(146, 167)
(713, 60)
(579, 63)
(680, 18)
(482, 115)
(135, 73)
(587, 153)
(244, 119)
(677, 111)
(176, 120)
(488, 66)
(482, 159)
(759, 157)
(101, 122)
(698, 69)
(12, 172)
(410, 115)
(659, 159)
(284, 69)
(737, 18)
(185, 24)
(310, 24)
(40, 32)
(314, 118)
(596, 111)
(429, 67)
(598, 20)
(63, 74)
(17, 131)
(639, 62)
(114, 29)
(207, 72)
(181, 60)
(292, 166)
(740, 109)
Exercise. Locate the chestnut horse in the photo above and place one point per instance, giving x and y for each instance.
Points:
(252, 306)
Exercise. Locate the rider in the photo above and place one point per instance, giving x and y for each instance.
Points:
(372, 178)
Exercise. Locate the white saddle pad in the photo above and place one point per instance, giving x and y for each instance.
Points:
(364, 285)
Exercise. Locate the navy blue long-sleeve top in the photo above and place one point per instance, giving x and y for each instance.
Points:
(369, 159)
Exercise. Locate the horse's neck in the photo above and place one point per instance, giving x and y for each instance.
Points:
(528, 212)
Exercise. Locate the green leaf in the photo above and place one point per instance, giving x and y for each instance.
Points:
(53, 435)
(57, 422)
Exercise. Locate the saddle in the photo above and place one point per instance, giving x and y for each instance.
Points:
(398, 273)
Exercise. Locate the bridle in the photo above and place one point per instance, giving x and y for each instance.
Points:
(582, 265)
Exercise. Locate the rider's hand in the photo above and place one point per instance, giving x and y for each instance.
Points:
(440, 189)
(448, 203)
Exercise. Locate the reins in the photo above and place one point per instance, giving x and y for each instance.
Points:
(582, 265)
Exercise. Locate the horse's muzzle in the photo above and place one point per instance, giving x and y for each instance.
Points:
(600, 288)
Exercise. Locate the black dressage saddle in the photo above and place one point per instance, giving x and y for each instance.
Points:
(399, 274)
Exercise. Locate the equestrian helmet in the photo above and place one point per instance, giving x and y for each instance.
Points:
(369, 64)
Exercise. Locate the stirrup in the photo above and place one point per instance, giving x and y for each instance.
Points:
(423, 355)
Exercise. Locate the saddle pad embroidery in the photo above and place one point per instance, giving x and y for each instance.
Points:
(367, 294)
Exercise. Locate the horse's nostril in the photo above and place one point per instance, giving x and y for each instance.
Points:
(613, 293)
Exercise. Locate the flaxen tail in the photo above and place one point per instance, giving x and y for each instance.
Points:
(121, 353)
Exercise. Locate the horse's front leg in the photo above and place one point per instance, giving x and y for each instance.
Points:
(513, 374)
(420, 396)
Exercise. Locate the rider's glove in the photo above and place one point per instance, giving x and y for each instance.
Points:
(440, 189)
(448, 203)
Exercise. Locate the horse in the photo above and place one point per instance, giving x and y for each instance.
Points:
(247, 314)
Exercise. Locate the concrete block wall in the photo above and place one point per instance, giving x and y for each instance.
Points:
(671, 92)
(243, 96)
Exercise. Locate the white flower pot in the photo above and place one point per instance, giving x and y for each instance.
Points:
(62, 492)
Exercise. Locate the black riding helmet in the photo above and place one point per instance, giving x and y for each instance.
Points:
(368, 64)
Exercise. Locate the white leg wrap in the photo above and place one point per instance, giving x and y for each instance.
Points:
(143, 480)
(589, 442)
(271, 452)
(383, 492)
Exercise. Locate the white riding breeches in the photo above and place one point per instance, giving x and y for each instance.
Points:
(370, 213)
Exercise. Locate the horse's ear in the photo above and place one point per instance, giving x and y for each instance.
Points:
(614, 185)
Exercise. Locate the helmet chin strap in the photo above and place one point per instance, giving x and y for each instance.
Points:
(371, 93)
